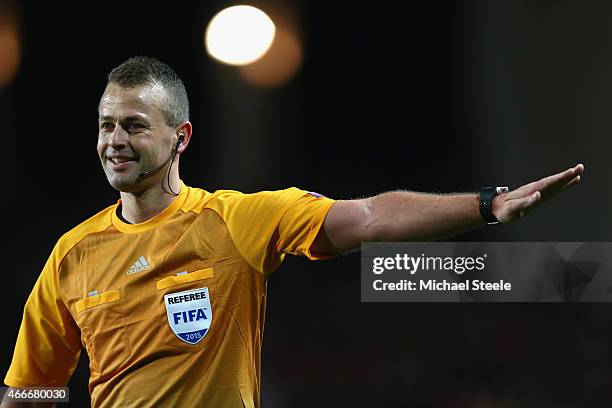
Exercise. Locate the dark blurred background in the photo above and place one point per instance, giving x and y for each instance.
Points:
(427, 96)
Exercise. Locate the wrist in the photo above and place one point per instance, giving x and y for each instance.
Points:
(488, 203)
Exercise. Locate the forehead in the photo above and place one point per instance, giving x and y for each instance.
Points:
(142, 101)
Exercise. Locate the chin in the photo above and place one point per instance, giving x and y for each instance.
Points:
(123, 184)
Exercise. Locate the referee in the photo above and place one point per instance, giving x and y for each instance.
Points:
(166, 289)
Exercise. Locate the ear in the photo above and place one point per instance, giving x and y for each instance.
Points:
(185, 129)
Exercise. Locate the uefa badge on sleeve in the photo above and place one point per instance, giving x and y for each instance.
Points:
(317, 195)
(189, 314)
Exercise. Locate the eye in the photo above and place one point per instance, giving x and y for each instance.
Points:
(107, 126)
(135, 127)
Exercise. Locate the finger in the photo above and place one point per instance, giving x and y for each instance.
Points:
(554, 180)
(522, 191)
(524, 203)
(541, 184)
(557, 180)
(572, 182)
(579, 168)
(521, 205)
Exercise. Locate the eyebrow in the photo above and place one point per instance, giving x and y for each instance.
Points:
(108, 118)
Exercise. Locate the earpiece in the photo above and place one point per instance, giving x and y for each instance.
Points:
(179, 141)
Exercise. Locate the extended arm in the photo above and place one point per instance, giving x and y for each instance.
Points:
(411, 216)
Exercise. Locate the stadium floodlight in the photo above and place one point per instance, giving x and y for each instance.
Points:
(239, 35)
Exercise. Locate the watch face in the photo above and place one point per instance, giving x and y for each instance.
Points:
(501, 190)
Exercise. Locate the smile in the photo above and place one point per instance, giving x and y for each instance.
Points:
(119, 163)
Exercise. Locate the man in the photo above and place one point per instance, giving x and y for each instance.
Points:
(166, 289)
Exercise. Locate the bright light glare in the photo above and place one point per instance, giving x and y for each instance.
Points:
(280, 64)
(239, 35)
(9, 51)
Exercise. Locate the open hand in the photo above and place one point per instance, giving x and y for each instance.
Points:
(514, 204)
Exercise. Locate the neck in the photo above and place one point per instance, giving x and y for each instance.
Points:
(141, 206)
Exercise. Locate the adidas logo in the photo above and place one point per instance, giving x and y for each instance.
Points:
(140, 265)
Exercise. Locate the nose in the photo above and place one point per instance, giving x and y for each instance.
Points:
(119, 138)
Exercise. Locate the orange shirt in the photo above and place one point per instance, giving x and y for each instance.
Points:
(171, 310)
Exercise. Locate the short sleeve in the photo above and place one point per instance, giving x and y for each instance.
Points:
(267, 225)
(48, 345)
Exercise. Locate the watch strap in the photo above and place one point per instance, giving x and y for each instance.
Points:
(486, 201)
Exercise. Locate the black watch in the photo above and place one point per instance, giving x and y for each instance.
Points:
(486, 199)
